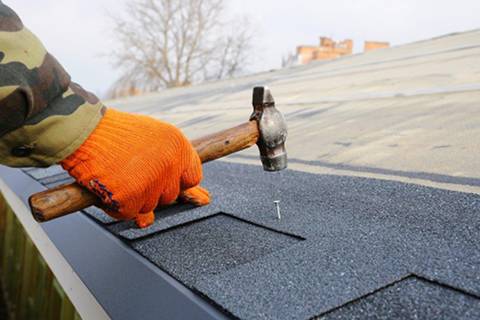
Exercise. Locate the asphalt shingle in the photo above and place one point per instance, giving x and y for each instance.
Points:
(411, 298)
(360, 234)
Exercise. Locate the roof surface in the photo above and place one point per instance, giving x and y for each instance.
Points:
(344, 246)
(395, 113)
(349, 245)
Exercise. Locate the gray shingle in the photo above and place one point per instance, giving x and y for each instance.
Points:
(210, 246)
(411, 298)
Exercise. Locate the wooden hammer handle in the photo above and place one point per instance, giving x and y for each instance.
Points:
(67, 199)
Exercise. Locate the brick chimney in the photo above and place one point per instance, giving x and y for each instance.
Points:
(326, 42)
(374, 45)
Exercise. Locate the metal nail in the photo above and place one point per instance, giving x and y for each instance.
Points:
(277, 205)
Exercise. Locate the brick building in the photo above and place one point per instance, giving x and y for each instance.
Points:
(329, 49)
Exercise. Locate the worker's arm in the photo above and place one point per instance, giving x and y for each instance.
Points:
(131, 162)
(44, 117)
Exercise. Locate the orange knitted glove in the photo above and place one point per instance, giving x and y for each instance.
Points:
(134, 163)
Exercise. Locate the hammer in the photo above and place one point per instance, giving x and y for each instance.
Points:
(266, 128)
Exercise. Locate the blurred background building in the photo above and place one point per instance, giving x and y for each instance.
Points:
(328, 49)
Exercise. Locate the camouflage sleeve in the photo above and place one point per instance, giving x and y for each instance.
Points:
(44, 116)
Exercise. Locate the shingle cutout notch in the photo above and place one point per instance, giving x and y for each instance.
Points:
(210, 246)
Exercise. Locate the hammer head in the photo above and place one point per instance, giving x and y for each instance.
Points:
(273, 130)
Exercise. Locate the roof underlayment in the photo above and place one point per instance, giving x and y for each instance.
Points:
(373, 221)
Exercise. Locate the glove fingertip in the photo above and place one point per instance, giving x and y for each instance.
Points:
(197, 196)
(144, 220)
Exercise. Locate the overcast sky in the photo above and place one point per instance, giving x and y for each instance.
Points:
(77, 31)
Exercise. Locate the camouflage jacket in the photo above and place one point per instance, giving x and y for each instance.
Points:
(44, 116)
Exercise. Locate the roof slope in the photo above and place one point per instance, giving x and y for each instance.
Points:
(394, 113)
(346, 247)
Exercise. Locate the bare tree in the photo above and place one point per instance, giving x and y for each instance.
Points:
(171, 43)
